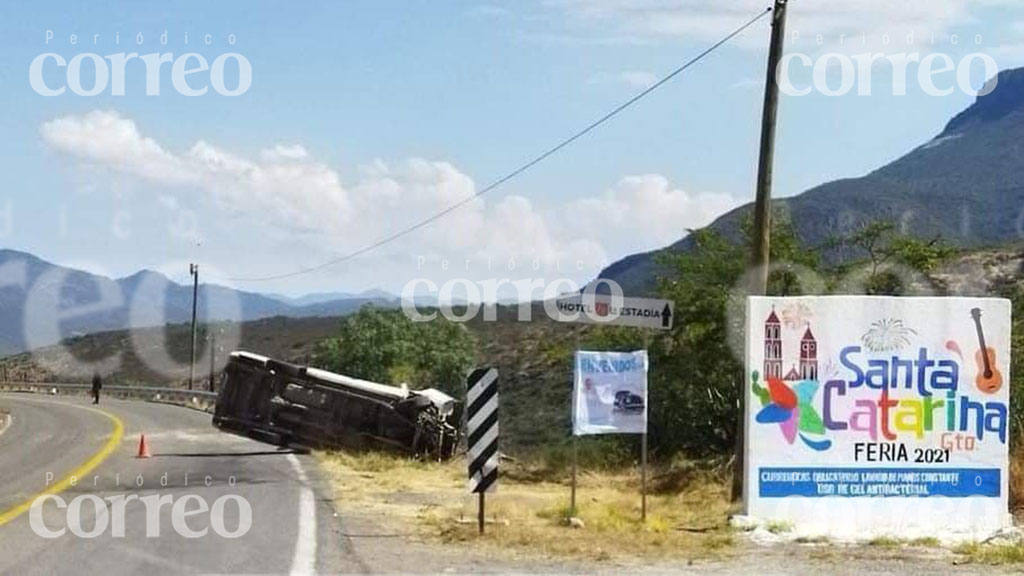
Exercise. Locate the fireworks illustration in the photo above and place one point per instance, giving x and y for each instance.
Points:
(887, 334)
(796, 315)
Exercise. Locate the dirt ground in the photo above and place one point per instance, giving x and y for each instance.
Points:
(383, 501)
(389, 546)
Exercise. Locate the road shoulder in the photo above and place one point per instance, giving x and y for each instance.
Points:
(406, 517)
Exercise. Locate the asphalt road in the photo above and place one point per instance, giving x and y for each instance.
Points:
(293, 525)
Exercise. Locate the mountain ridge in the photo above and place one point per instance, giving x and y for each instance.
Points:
(966, 185)
(42, 303)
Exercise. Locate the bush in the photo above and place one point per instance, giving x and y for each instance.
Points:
(387, 346)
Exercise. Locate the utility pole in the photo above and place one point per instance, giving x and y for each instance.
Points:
(193, 269)
(762, 212)
(213, 357)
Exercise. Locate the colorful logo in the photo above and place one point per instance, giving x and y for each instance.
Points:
(792, 409)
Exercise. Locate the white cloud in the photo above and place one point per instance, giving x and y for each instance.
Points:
(299, 192)
(711, 19)
(107, 139)
(747, 84)
(285, 152)
(642, 212)
(489, 10)
(286, 190)
(639, 79)
(1008, 55)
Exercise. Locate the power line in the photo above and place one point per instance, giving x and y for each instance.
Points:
(523, 168)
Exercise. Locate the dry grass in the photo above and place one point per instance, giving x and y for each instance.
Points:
(993, 555)
(529, 514)
(687, 509)
(1002, 554)
(885, 542)
(1017, 477)
(893, 543)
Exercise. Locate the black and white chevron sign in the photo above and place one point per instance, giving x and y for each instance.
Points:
(482, 428)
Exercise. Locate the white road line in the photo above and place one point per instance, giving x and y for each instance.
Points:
(304, 560)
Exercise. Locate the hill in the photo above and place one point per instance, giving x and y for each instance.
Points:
(534, 358)
(42, 303)
(964, 184)
(159, 356)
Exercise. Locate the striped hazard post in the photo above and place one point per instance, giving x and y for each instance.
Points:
(482, 433)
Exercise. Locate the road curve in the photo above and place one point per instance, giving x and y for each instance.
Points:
(293, 526)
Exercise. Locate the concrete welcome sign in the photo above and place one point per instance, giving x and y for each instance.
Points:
(870, 416)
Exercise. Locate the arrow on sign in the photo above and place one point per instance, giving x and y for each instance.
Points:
(652, 313)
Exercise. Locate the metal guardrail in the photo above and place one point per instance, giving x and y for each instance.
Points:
(200, 399)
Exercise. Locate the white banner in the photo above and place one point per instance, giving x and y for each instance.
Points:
(870, 416)
(610, 393)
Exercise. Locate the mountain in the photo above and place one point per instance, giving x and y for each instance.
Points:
(534, 358)
(42, 303)
(966, 184)
(322, 297)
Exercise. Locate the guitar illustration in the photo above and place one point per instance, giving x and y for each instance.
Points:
(989, 380)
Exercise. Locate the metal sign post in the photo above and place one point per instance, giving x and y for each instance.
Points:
(575, 455)
(646, 313)
(643, 446)
(575, 442)
(643, 477)
(480, 513)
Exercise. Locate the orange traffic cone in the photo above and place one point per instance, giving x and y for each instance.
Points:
(143, 448)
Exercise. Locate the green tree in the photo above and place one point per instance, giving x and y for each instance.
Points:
(884, 248)
(790, 259)
(694, 379)
(695, 371)
(1010, 289)
(443, 352)
(387, 346)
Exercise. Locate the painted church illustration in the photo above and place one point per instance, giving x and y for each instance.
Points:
(808, 367)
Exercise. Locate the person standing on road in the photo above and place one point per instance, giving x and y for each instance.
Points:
(97, 385)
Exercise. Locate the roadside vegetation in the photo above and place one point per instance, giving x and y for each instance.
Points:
(387, 346)
(990, 554)
(695, 371)
(687, 509)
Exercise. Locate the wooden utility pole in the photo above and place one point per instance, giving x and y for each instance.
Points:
(213, 358)
(193, 269)
(762, 210)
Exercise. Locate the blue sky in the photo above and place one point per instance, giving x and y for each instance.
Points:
(364, 117)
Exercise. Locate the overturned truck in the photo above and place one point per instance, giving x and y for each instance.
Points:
(283, 403)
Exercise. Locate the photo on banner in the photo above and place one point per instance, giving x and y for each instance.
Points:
(610, 393)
